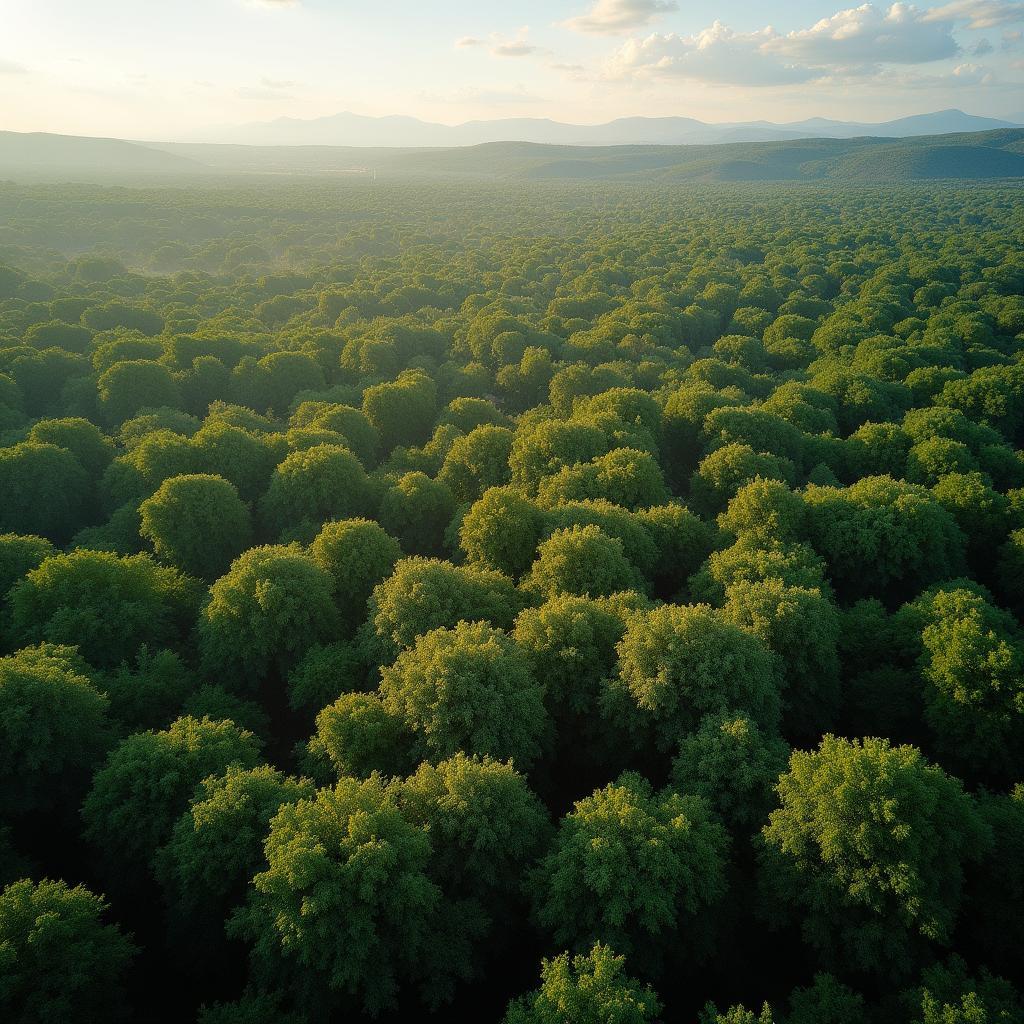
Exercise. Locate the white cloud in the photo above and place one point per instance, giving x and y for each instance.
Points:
(866, 34)
(853, 43)
(718, 55)
(978, 13)
(981, 48)
(520, 46)
(607, 17)
(10, 67)
(514, 48)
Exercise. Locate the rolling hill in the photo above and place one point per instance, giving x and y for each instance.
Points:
(969, 156)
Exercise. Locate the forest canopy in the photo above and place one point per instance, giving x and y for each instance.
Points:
(556, 602)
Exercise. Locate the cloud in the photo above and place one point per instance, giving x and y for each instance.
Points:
(866, 34)
(981, 48)
(977, 13)
(718, 55)
(276, 83)
(608, 17)
(851, 44)
(10, 67)
(499, 46)
(515, 48)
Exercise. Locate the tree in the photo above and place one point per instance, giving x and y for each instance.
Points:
(105, 605)
(586, 989)
(271, 606)
(197, 523)
(733, 764)
(45, 490)
(135, 384)
(727, 469)
(358, 554)
(883, 534)
(476, 462)
(870, 841)
(149, 691)
(501, 530)
(60, 960)
(972, 666)
(359, 735)
(826, 1001)
(802, 627)
(485, 821)
(468, 688)
(569, 643)
(83, 439)
(948, 994)
(423, 594)
(582, 560)
(148, 781)
(345, 905)
(634, 868)
(216, 846)
(403, 410)
(682, 541)
(624, 477)
(679, 663)
(19, 555)
(417, 510)
(314, 485)
(53, 729)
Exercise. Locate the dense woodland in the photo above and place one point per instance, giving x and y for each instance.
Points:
(557, 604)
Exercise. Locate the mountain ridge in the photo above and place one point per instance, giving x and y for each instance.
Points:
(397, 130)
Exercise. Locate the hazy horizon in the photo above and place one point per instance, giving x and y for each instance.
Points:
(183, 73)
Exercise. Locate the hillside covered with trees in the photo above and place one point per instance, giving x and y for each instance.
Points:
(576, 603)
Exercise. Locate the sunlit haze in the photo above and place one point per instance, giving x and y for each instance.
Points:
(183, 71)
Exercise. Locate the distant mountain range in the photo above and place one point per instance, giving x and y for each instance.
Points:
(967, 156)
(347, 129)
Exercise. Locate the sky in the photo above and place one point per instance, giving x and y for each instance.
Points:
(145, 69)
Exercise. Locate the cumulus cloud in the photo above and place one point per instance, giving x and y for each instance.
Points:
(608, 17)
(853, 43)
(469, 41)
(981, 48)
(977, 13)
(718, 55)
(867, 34)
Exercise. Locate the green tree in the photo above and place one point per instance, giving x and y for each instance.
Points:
(53, 728)
(216, 846)
(149, 779)
(417, 510)
(582, 560)
(314, 485)
(501, 530)
(135, 384)
(634, 868)
(196, 522)
(950, 995)
(358, 554)
(870, 841)
(476, 462)
(679, 663)
(586, 989)
(468, 688)
(107, 606)
(345, 905)
(19, 555)
(733, 764)
(271, 606)
(423, 594)
(45, 490)
(59, 960)
(883, 534)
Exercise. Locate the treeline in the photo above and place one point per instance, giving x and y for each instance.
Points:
(408, 590)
